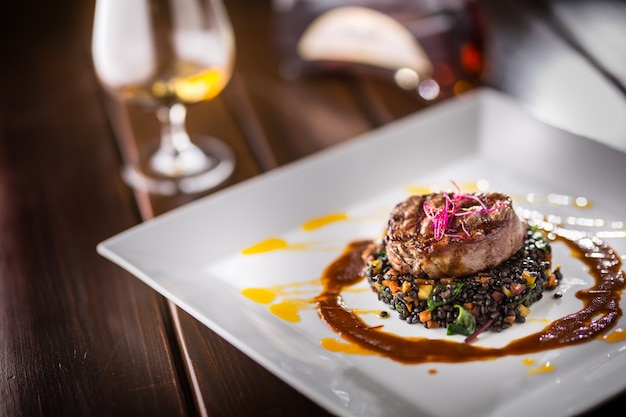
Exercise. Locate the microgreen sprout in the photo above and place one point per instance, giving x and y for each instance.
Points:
(441, 216)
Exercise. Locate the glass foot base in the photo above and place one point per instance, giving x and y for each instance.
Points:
(219, 169)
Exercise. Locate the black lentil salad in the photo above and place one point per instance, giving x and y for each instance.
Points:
(493, 300)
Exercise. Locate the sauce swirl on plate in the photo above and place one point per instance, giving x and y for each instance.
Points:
(600, 311)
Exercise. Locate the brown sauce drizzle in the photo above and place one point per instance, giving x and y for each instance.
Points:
(600, 313)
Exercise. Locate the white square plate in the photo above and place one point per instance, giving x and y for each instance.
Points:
(195, 255)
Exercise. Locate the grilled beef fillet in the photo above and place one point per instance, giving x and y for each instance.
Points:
(449, 235)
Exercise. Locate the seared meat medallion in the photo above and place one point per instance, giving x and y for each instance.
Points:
(464, 262)
(448, 234)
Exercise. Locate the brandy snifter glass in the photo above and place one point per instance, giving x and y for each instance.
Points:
(164, 55)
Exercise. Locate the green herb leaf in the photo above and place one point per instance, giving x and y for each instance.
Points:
(465, 323)
(400, 308)
(431, 304)
(530, 296)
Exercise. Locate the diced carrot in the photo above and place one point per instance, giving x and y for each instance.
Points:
(552, 281)
(509, 319)
(431, 324)
(425, 316)
(484, 280)
(394, 287)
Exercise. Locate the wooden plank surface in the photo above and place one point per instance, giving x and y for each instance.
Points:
(78, 336)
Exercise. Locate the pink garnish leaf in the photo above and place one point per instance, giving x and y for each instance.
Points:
(441, 217)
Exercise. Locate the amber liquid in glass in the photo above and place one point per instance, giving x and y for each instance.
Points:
(186, 83)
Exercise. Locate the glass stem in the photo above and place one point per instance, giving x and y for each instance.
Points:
(177, 156)
(174, 136)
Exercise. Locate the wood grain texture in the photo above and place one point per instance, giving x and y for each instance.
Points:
(78, 336)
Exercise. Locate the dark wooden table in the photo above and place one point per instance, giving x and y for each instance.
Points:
(79, 336)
